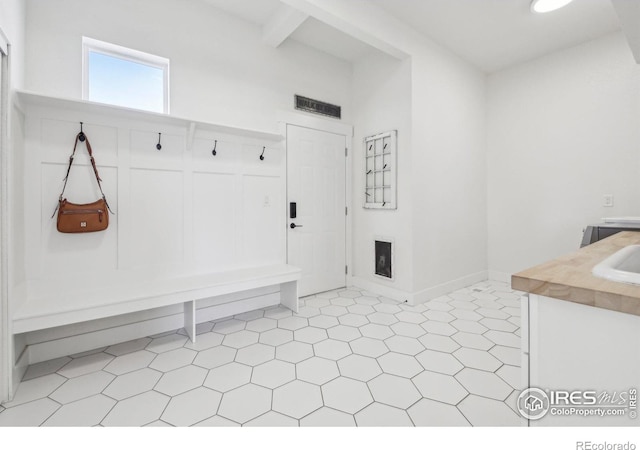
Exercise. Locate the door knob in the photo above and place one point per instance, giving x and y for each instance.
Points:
(293, 225)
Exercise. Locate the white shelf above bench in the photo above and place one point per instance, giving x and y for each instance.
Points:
(46, 307)
(26, 98)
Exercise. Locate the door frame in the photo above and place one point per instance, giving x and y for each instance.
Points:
(303, 120)
(6, 372)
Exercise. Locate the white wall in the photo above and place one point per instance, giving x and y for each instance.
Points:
(12, 18)
(562, 131)
(449, 174)
(221, 71)
(442, 182)
(382, 102)
(12, 23)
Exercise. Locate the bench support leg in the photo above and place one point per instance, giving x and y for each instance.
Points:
(190, 319)
(289, 295)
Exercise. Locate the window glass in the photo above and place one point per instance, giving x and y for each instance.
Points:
(125, 77)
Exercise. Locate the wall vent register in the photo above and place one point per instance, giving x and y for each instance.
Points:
(380, 156)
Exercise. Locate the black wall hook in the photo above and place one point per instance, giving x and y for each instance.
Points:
(262, 155)
(158, 146)
(215, 145)
(81, 136)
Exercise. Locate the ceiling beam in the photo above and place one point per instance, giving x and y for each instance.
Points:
(363, 21)
(282, 24)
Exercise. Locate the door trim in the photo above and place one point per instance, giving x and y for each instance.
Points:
(285, 118)
(6, 383)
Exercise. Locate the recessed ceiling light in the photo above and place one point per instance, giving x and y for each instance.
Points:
(543, 6)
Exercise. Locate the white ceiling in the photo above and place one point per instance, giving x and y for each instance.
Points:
(494, 34)
(491, 34)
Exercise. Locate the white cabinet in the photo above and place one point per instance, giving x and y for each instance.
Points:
(577, 348)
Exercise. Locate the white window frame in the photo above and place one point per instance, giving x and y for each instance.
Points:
(127, 54)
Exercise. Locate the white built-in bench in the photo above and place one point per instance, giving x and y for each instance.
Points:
(47, 307)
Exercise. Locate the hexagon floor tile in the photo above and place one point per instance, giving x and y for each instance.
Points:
(228, 377)
(482, 411)
(332, 349)
(137, 411)
(287, 399)
(272, 419)
(399, 364)
(379, 415)
(439, 362)
(359, 367)
(484, 383)
(477, 359)
(133, 383)
(130, 362)
(191, 407)
(368, 347)
(294, 352)
(348, 358)
(84, 413)
(346, 395)
(394, 391)
(377, 331)
(276, 337)
(317, 370)
(273, 374)
(428, 412)
(440, 387)
(82, 387)
(255, 354)
(181, 380)
(215, 357)
(328, 417)
(245, 403)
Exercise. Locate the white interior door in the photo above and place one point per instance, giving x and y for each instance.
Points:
(316, 237)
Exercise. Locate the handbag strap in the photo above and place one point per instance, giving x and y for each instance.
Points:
(93, 164)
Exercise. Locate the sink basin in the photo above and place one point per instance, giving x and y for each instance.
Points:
(623, 266)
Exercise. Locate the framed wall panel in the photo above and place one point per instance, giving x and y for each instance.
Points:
(380, 161)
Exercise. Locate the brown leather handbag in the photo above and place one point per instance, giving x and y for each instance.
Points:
(87, 217)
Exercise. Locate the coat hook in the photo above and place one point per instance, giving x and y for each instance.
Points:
(81, 136)
(158, 146)
(215, 145)
(262, 155)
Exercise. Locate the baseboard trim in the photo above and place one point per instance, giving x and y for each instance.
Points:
(496, 275)
(450, 286)
(19, 369)
(381, 289)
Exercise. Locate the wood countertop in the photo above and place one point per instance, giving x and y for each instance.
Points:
(569, 277)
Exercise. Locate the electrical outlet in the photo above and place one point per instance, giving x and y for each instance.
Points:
(608, 200)
(267, 201)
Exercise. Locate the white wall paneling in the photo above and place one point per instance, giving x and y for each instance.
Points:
(179, 211)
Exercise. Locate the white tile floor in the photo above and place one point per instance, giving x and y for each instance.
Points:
(348, 358)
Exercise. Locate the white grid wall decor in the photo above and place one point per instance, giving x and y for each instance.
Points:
(380, 170)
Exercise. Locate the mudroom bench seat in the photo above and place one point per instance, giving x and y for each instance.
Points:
(45, 307)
